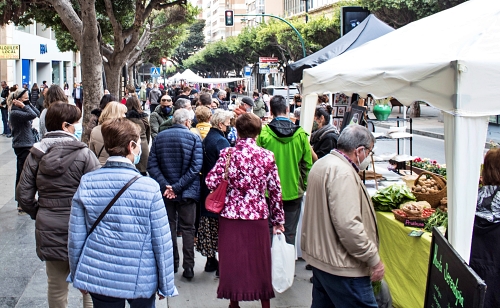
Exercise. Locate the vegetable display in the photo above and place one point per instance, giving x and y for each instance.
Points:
(389, 198)
(438, 219)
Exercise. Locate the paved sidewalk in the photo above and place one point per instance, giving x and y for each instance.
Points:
(429, 125)
(23, 282)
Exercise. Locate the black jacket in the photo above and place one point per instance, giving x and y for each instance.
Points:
(324, 141)
(213, 143)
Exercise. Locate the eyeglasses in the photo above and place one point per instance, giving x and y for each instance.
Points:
(370, 152)
(166, 100)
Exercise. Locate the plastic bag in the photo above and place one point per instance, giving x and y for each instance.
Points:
(283, 263)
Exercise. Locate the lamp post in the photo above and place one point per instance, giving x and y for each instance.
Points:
(164, 68)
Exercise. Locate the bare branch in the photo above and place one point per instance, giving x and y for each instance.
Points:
(117, 27)
(70, 19)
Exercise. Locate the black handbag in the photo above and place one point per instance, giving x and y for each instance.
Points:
(124, 188)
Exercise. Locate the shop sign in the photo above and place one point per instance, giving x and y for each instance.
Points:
(268, 59)
(268, 68)
(10, 52)
(43, 49)
(450, 281)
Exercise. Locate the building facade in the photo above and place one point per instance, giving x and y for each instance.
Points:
(298, 7)
(40, 59)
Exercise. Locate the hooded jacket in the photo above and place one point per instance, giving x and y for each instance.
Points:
(21, 120)
(157, 117)
(53, 168)
(141, 119)
(292, 152)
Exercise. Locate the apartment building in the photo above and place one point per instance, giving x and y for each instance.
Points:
(298, 7)
(40, 59)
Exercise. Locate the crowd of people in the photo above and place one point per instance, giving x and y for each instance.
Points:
(108, 214)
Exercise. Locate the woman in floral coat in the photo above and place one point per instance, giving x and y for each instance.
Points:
(244, 242)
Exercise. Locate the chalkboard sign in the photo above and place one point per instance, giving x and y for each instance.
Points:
(450, 281)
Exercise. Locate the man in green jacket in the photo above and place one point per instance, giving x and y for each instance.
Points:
(292, 152)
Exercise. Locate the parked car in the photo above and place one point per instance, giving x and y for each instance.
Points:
(279, 90)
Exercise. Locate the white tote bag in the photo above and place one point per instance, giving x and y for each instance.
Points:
(283, 263)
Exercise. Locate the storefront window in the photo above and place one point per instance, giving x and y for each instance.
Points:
(55, 73)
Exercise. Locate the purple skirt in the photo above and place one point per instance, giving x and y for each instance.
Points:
(244, 260)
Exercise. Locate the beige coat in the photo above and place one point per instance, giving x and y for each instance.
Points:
(339, 228)
(96, 145)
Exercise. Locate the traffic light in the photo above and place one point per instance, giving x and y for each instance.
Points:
(229, 18)
(164, 61)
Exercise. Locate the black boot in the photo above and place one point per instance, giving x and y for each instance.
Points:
(212, 265)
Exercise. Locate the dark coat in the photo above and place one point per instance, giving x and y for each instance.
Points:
(21, 120)
(81, 93)
(212, 144)
(485, 258)
(53, 168)
(324, 142)
(34, 96)
(176, 159)
(141, 119)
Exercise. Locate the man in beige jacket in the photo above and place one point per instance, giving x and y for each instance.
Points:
(339, 231)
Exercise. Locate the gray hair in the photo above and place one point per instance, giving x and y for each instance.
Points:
(221, 93)
(296, 113)
(220, 116)
(181, 116)
(181, 103)
(354, 136)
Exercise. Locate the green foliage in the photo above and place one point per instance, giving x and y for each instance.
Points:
(398, 13)
(192, 40)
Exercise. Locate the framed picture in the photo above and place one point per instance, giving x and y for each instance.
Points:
(334, 112)
(341, 111)
(354, 116)
(336, 122)
(340, 123)
(341, 99)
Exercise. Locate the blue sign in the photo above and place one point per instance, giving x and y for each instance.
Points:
(43, 49)
(155, 72)
(248, 71)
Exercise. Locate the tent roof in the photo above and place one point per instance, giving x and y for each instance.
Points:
(450, 59)
(371, 28)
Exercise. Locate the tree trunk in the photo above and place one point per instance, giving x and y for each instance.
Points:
(91, 61)
(113, 79)
(414, 110)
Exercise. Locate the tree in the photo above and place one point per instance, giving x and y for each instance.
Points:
(194, 41)
(400, 13)
(85, 21)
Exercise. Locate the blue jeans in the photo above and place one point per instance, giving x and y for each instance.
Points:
(102, 301)
(5, 120)
(330, 291)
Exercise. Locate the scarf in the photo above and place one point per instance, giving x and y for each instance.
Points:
(321, 132)
(488, 203)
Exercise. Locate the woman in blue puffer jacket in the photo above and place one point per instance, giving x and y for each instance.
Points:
(129, 254)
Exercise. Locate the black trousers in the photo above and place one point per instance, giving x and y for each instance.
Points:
(21, 154)
(183, 212)
(5, 121)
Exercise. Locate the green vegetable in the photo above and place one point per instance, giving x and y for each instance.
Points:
(438, 219)
(389, 198)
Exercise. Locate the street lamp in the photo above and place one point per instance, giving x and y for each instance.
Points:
(164, 64)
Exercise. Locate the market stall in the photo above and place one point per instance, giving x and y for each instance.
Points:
(450, 60)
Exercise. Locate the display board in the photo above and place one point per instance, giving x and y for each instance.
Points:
(450, 281)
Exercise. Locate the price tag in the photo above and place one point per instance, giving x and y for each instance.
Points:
(416, 233)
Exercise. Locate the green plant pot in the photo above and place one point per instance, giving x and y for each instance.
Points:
(382, 112)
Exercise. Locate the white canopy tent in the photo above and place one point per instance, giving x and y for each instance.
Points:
(450, 60)
(190, 76)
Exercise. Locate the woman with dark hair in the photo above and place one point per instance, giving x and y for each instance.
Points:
(35, 93)
(324, 139)
(53, 170)
(485, 248)
(139, 117)
(128, 256)
(96, 113)
(244, 242)
(53, 94)
(21, 116)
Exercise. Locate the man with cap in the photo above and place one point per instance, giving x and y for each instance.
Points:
(245, 106)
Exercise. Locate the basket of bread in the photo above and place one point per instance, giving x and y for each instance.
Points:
(429, 187)
(413, 210)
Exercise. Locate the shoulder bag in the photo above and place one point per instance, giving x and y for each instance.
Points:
(124, 188)
(215, 200)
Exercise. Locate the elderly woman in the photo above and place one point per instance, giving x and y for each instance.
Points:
(53, 169)
(244, 242)
(203, 115)
(139, 117)
(96, 114)
(113, 110)
(128, 256)
(485, 251)
(21, 116)
(213, 143)
(324, 139)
